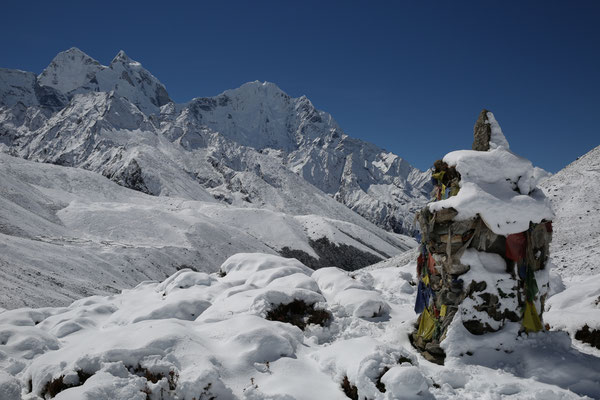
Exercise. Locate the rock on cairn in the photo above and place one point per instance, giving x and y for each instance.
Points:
(485, 243)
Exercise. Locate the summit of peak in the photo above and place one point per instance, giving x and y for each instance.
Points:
(75, 50)
(269, 84)
(73, 55)
(72, 71)
(261, 85)
(253, 88)
(68, 70)
(121, 57)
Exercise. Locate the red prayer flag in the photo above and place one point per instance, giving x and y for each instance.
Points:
(431, 264)
(515, 246)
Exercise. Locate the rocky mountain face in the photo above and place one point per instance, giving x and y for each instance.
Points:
(254, 146)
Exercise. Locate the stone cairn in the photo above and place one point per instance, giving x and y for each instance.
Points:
(443, 293)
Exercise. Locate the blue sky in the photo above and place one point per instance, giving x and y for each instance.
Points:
(409, 76)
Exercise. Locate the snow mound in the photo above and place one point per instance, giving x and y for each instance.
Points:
(362, 361)
(578, 305)
(404, 382)
(245, 266)
(10, 388)
(495, 184)
(356, 298)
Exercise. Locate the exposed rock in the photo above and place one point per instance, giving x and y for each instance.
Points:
(482, 132)
(589, 336)
(299, 313)
(50, 97)
(331, 254)
(350, 390)
(445, 215)
(131, 177)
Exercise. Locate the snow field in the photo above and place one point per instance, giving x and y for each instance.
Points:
(197, 335)
(75, 233)
(193, 331)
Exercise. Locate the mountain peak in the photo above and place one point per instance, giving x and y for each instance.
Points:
(260, 87)
(121, 57)
(72, 71)
(69, 70)
(75, 51)
(73, 55)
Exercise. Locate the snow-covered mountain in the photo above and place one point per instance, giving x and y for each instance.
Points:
(252, 146)
(575, 195)
(249, 171)
(67, 233)
(73, 71)
(575, 250)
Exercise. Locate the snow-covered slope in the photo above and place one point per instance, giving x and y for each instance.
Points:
(270, 328)
(239, 147)
(66, 233)
(23, 87)
(575, 195)
(17, 86)
(575, 250)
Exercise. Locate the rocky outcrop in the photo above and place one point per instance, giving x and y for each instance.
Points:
(130, 177)
(589, 336)
(346, 257)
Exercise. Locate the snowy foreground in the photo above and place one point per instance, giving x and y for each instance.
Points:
(214, 336)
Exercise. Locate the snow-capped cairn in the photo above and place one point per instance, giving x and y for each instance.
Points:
(485, 243)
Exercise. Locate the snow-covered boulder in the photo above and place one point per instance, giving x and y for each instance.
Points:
(360, 364)
(406, 382)
(358, 300)
(10, 387)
